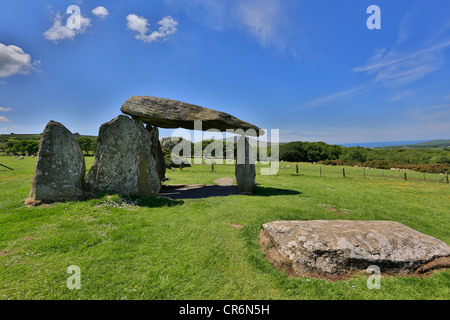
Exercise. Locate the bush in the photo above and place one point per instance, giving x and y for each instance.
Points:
(21, 147)
(299, 151)
(378, 164)
(355, 154)
(329, 162)
(169, 162)
(87, 144)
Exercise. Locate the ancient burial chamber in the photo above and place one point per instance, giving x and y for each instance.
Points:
(337, 249)
(167, 113)
(129, 159)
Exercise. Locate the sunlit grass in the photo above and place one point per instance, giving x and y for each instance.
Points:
(156, 248)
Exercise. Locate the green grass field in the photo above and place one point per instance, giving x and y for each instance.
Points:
(156, 248)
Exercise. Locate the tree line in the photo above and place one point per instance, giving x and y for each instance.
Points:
(31, 147)
(319, 151)
(20, 147)
(419, 159)
(433, 160)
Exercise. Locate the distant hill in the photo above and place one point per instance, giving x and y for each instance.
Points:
(380, 143)
(441, 143)
(14, 136)
(30, 136)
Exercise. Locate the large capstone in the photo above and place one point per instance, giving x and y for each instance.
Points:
(245, 166)
(168, 113)
(342, 247)
(123, 161)
(60, 168)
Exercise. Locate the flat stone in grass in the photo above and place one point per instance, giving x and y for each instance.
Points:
(339, 248)
(225, 181)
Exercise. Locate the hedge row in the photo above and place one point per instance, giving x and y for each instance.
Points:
(381, 164)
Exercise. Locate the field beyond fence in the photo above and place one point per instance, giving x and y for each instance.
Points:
(358, 172)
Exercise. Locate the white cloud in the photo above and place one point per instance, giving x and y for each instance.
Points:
(335, 97)
(100, 12)
(439, 112)
(401, 95)
(268, 21)
(397, 67)
(5, 109)
(4, 119)
(141, 25)
(60, 31)
(13, 60)
(261, 19)
(136, 23)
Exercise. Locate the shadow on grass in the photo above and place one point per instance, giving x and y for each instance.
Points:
(138, 200)
(198, 191)
(207, 191)
(268, 192)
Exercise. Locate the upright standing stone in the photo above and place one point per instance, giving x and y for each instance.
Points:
(123, 161)
(157, 152)
(60, 168)
(245, 166)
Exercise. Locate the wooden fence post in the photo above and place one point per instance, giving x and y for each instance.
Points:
(320, 170)
(212, 166)
(296, 168)
(405, 176)
(343, 172)
(181, 166)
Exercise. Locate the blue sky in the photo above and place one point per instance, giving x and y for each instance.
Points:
(309, 68)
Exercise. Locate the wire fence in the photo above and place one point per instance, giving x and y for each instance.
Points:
(353, 172)
(361, 173)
